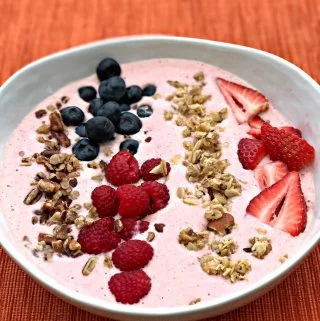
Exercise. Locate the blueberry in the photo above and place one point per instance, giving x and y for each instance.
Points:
(112, 89)
(129, 124)
(99, 129)
(133, 95)
(110, 110)
(87, 93)
(85, 150)
(149, 90)
(131, 145)
(108, 68)
(124, 107)
(72, 116)
(94, 105)
(144, 111)
(81, 130)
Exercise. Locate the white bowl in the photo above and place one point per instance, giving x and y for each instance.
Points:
(291, 90)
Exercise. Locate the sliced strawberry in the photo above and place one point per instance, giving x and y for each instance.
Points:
(292, 217)
(244, 102)
(292, 130)
(270, 173)
(250, 152)
(265, 204)
(281, 205)
(255, 122)
(282, 145)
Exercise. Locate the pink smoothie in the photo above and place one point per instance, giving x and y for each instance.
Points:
(177, 277)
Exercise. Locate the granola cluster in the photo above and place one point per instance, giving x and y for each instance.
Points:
(214, 187)
(260, 247)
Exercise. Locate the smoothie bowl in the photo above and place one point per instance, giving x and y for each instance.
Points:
(159, 178)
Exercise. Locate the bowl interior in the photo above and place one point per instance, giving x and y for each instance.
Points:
(289, 89)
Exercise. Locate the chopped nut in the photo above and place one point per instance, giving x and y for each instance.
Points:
(195, 301)
(57, 159)
(222, 225)
(159, 227)
(47, 186)
(46, 238)
(193, 241)
(61, 138)
(34, 220)
(167, 115)
(98, 178)
(283, 258)
(150, 236)
(261, 231)
(74, 195)
(93, 212)
(160, 169)
(88, 220)
(107, 262)
(233, 270)
(87, 205)
(51, 108)
(107, 151)
(61, 232)
(43, 129)
(224, 247)
(65, 99)
(190, 201)
(33, 197)
(57, 245)
(74, 245)
(40, 113)
(175, 159)
(56, 123)
(90, 265)
(199, 76)
(26, 161)
(260, 247)
(118, 225)
(181, 192)
(79, 222)
(70, 217)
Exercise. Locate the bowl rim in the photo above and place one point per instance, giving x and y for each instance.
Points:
(132, 310)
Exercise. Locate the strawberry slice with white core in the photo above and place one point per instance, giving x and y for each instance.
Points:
(282, 205)
(255, 122)
(244, 102)
(270, 173)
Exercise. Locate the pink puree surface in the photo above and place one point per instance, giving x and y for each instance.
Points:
(175, 272)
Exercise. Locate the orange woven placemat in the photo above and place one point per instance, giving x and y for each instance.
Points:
(30, 29)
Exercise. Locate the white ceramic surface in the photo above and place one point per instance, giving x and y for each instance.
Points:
(291, 90)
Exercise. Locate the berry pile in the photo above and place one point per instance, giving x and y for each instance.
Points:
(132, 203)
(110, 111)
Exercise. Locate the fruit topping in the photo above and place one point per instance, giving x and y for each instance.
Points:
(287, 147)
(133, 95)
(243, 101)
(112, 89)
(95, 105)
(124, 107)
(72, 116)
(99, 237)
(108, 68)
(132, 255)
(270, 173)
(158, 193)
(131, 145)
(149, 90)
(154, 168)
(129, 124)
(122, 169)
(282, 205)
(134, 201)
(131, 227)
(81, 130)
(144, 111)
(87, 93)
(110, 110)
(130, 287)
(99, 129)
(250, 152)
(85, 150)
(105, 200)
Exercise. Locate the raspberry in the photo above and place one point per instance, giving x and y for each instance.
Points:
(105, 201)
(123, 169)
(149, 165)
(130, 287)
(158, 193)
(98, 237)
(132, 227)
(287, 147)
(132, 255)
(134, 201)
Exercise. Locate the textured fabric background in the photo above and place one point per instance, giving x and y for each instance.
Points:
(30, 29)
